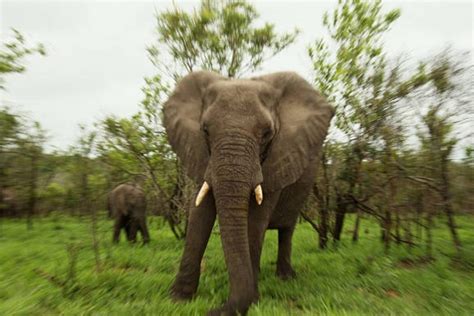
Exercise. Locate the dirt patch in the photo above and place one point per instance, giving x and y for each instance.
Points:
(391, 293)
(412, 263)
(124, 267)
(294, 304)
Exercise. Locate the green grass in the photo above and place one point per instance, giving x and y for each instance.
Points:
(135, 280)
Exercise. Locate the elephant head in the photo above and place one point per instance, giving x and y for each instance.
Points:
(239, 139)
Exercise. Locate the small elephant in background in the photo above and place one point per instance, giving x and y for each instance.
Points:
(127, 206)
(8, 203)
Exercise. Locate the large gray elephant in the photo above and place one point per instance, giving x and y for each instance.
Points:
(252, 146)
(127, 206)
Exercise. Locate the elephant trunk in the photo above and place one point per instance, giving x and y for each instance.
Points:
(232, 184)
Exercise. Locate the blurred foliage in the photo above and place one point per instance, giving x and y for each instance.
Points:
(13, 53)
(375, 98)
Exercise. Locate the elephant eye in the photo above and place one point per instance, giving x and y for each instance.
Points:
(205, 129)
(267, 134)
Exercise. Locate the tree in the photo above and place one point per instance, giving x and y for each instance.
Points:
(219, 36)
(12, 54)
(21, 151)
(366, 89)
(442, 105)
(9, 129)
(82, 153)
(30, 146)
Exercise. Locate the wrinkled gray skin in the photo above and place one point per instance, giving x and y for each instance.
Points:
(127, 206)
(236, 134)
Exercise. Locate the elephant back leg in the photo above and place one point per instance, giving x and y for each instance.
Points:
(133, 222)
(118, 225)
(285, 216)
(127, 227)
(284, 268)
(144, 230)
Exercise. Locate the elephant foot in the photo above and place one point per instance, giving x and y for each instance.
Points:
(235, 308)
(224, 310)
(227, 310)
(286, 273)
(182, 292)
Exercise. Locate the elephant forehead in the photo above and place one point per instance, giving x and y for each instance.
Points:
(232, 88)
(240, 99)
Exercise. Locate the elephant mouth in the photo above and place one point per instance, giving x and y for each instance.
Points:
(205, 188)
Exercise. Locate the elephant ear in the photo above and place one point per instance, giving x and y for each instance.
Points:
(304, 117)
(181, 118)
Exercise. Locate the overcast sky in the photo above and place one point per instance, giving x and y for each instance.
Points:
(96, 57)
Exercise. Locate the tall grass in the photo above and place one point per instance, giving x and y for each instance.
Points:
(36, 276)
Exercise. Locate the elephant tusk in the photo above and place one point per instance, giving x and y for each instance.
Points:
(202, 193)
(259, 194)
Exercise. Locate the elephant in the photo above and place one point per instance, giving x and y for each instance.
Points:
(127, 206)
(8, 203)
(252, 146)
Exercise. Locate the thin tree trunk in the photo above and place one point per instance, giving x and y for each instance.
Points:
(95, 240)
(339, 224)
(397, 227)
(408, 233)
(323, 204)
(448, 210)
(387, 228)
(419, 224)
(2, 206)
(323, 228)
(87, 207)
(355, 233)
(343, 201)
(340, 216)
(32, 191)
(429, 235)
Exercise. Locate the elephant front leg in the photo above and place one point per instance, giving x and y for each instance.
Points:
(132, 230)
(259, 217)
(200, 223)
(284, 269)
(256, 236)
(119, 223)
(126, 228)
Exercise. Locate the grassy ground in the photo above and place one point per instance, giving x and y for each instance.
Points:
(36, 277)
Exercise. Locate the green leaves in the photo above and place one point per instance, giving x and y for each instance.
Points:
(137, 146)
(13, 53)
(357, 77)
(219, 36)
